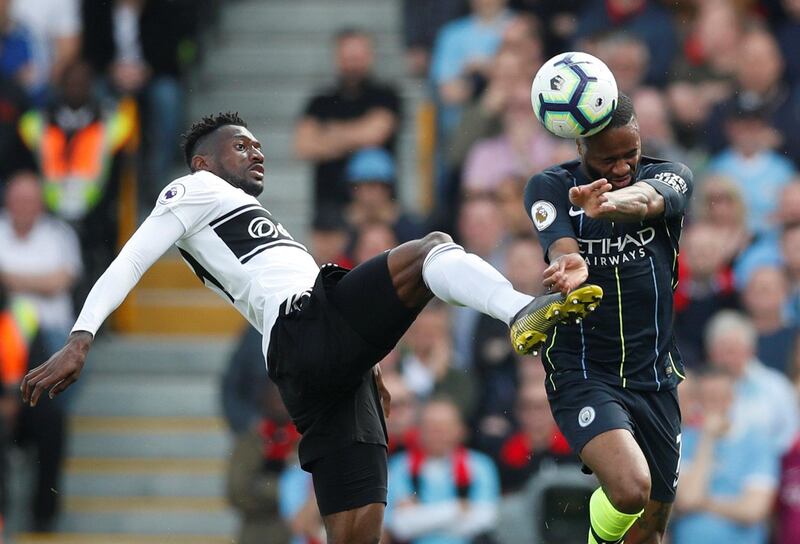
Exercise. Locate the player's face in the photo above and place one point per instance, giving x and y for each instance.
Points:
(612, 154)
(239, 159)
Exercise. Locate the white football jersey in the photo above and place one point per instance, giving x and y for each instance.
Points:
(236, 247)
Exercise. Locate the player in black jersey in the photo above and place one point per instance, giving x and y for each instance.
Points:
(324, 329)
(617, 216)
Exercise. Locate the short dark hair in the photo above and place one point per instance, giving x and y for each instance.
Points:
(351, 32)
(623, 113)
(205, 126)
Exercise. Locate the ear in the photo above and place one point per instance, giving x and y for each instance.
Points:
(200, 162)
(580, 146)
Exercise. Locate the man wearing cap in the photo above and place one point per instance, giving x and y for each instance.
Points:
(371, 176)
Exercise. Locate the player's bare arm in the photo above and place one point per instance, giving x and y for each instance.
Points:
(630, 204)
(567, 268)
(60, 371)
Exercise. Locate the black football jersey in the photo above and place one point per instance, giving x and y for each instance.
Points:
(628, 341)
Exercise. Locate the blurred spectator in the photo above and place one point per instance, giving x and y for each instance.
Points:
(523, 36)
(259, 456)
(752, 162)
(787, 519)
(765, 249)
(422, 20)
(765, 399)
(372, 176)
(40, 260)
(243, 383)
(356, 112)
(522, 149)
(329, 237)
(703, 74)
(481, 231)
(728, 473)
(718, 202)
(655, 128)
(371, 239)
(401, 425)
(78, 148)
(137, 45)
(628, 59)
(55, 27)
(443, 492)
(298, 507)
(15, 48)
(705, 286)
(483, 118)
(765, 298)
(646, 19)
(759, 88)
(535, 444)
(428, 368)
(790, 251)
(495, 364)
(515, 219)
(788, 35)
(558, 21)
(18, 333)
(42, 429)
(13, 154)
(462, 55)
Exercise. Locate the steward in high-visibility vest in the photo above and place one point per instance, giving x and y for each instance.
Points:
(76, 166)
(19, 325)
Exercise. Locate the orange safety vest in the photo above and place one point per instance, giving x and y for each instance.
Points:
(76, 169)
(18, 327)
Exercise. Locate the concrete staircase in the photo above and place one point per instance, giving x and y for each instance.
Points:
(147, 452)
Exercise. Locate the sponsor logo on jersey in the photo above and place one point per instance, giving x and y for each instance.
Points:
(172, 193)
(586, 416)
(543, 214)
(263, 227)
(673, 180)
(618, 250)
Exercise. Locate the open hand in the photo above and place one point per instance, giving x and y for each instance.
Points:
(59, 372)
(566, 273)
(592, 198)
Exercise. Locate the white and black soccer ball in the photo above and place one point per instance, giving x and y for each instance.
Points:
(574, 94)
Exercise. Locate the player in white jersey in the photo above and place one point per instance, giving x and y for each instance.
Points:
(324, 329)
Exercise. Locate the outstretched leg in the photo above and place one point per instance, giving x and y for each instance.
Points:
(434, 265)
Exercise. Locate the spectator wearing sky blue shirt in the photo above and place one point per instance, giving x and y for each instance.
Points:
(462, 54)
(15, 48)
(752, 162)
(441, 493)
(765, 398)
(729, 473)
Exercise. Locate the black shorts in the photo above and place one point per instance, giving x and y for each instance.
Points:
(586, 408)
(322, 350)
(350, 478)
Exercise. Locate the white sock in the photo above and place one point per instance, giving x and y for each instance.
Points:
(464, 279)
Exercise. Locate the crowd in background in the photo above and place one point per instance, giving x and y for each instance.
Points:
(88, 88)
(90, 92)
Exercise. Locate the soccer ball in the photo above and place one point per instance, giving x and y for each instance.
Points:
(574, 94)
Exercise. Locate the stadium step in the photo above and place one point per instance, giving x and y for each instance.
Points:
(149, 437)
(170, 300)
(308, 16)
(149, 515)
